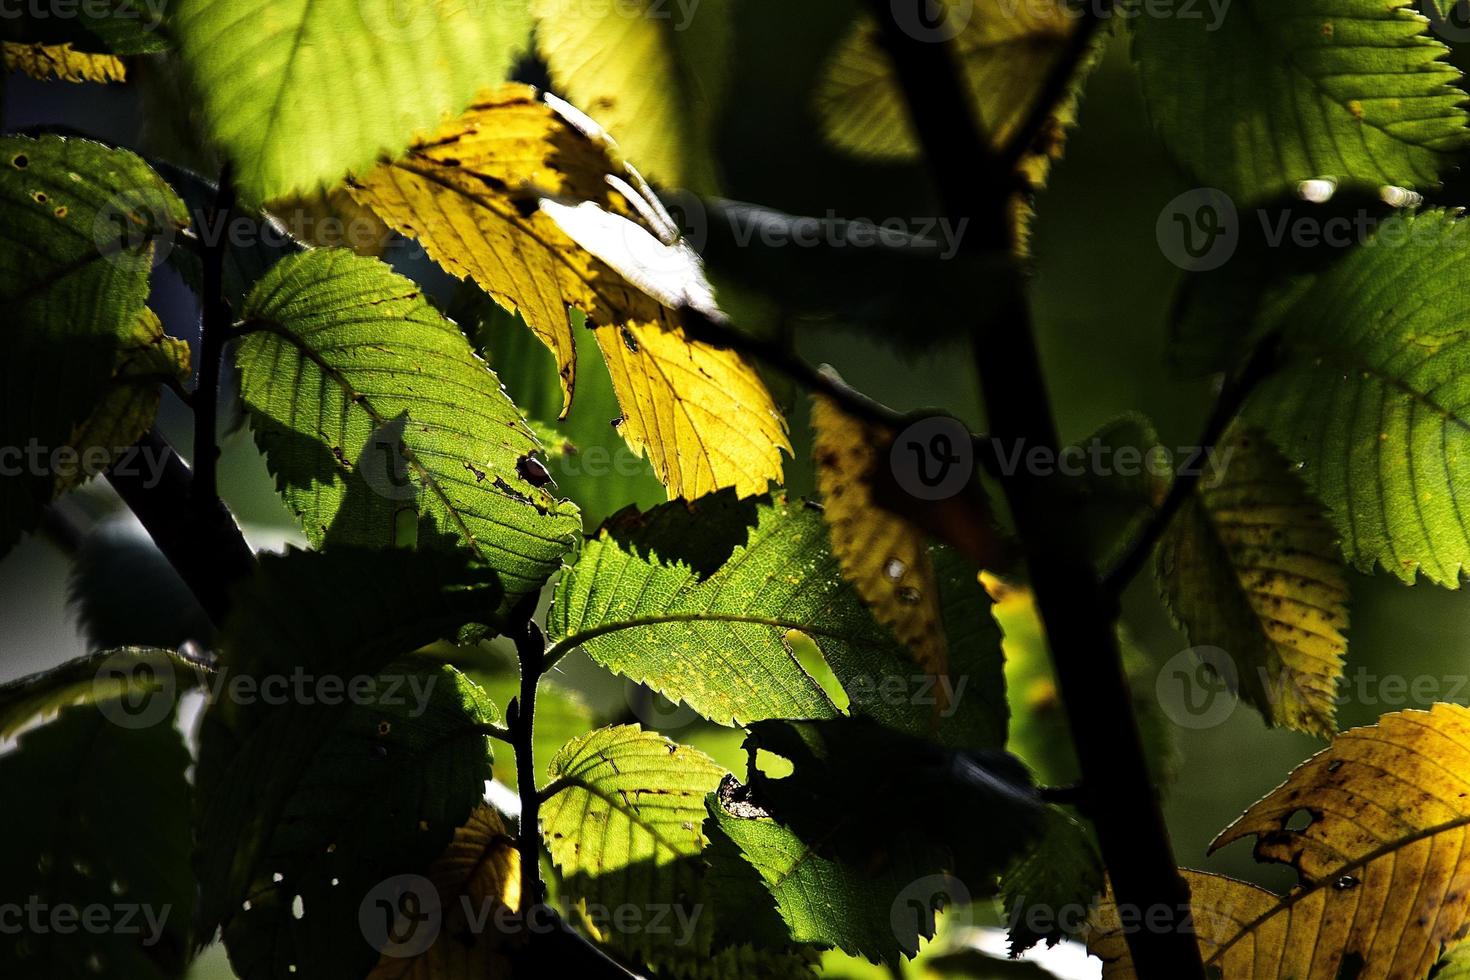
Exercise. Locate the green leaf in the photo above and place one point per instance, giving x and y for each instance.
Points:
(1370, 398)
(595, 468)
(300, 92)
(651, 73)
(81, 221)
(100, 819)
(623, 826)
(1251, 566)
(371, 408)
(1454, 965)
(1262, 97)
(331, 760)
(700, 604)
(1062, 872)
(131, 673)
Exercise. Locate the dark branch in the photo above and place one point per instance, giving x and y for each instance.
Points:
(204, 546)
(1080, 619)
(214, 330)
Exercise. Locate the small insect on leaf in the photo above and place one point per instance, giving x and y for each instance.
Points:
(533, 471)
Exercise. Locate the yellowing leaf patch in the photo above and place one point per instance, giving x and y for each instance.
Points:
(492, 195)
(63, 62)
(885, 557)
(147, 359)
(479, 874)
(1376, 826)
(1252, 566)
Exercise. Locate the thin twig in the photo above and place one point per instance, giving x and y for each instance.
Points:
(1227, 406)
(778, 356)
(1092, 16)
(215, 325)
(1080, 619)
(531, 650)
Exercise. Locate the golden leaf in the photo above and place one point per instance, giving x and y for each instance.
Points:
(885, 557)
(1252, 566)
(492, 196)
(477, 874)
(1376, 825)
(332, 219)
(63, 62)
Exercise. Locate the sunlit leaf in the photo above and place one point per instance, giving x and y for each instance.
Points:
(370, 405)
(1369, 397)
(524, 199)
(1376, 826)
(1255, 98)
(1251, 566)
(651, 73)
(63, 62)
(624, 828)
(702, 606)
(300, 92)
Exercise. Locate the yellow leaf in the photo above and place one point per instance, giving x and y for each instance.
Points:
(62, 61)
(1378, 827)
(1252, 566)
(478, 875)
(649, 71)
(491, 197)
(885, 557)
(145, 360)
(332, 219)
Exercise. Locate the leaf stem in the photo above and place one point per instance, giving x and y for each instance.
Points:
(531, 651)
(1080, 619)
(215, 326)
(1227, 406)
